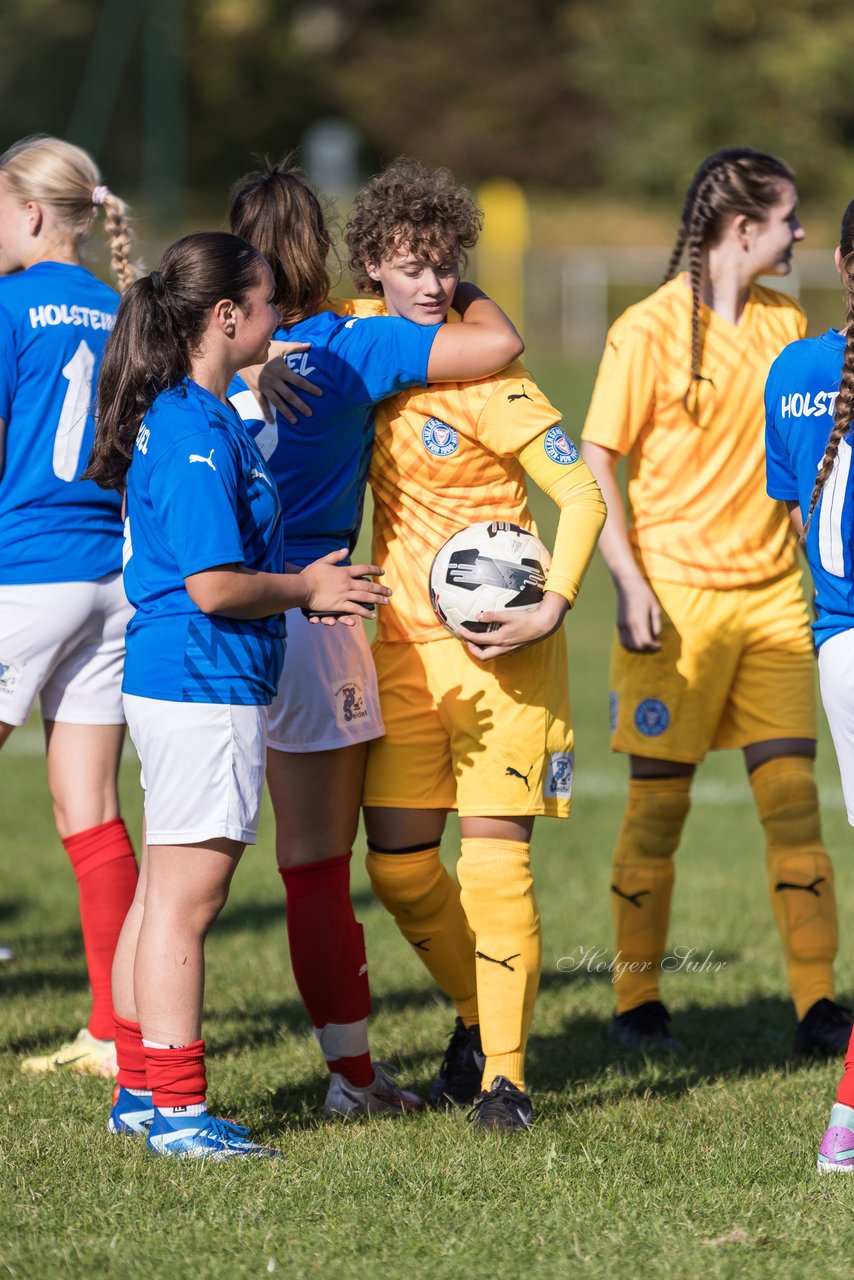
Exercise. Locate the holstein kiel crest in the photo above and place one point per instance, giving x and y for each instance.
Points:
(439, 438)
(559, 447)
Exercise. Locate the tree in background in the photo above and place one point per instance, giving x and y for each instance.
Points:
(605, 97)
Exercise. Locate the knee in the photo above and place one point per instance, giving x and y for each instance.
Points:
(404, 879)
(654, 817)
(786, 798)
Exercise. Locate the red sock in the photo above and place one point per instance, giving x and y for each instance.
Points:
(328, 959)
(845, 1092)
(130, 1055)
(103, 862)
(176, 1076)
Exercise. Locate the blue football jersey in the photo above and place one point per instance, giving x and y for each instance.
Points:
(54, 323)
(199, 495)
(800, 396)
(320, 464)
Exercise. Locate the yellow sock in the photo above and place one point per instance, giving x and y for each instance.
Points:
(425, 902)
(642, 883)
(800, 875)
(497, 894)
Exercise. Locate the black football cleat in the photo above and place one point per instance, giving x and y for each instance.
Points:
(824, 1030)
(504, 1107)
(459, 1079)
(646, 1027)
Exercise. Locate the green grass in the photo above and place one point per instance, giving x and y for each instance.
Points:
(698, 1166)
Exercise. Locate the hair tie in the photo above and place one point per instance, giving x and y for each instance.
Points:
(158, 284)
(100, 194)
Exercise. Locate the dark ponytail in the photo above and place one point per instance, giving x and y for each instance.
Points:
(159, 327)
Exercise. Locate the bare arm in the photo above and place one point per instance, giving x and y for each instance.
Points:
(794, 510)
(638, 609)
(325, 585)
(485, 342)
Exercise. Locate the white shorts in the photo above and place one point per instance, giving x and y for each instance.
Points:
(327, 695)
(836, 676)
(64, 641)
(202, 768)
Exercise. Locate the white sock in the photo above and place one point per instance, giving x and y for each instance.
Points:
(194, 1109)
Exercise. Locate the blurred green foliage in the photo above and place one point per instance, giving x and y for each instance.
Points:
(606, 97)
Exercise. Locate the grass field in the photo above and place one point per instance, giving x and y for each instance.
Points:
(702, 1166)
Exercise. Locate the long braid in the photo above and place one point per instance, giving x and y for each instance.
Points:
(734, 181)
(118, 232)
(844, 409)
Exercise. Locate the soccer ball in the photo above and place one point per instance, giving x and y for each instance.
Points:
(490, 566)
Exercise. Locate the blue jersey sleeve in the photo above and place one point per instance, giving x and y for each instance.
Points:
(389, 354)
(8, 364)
(193, 490)
(781, 479)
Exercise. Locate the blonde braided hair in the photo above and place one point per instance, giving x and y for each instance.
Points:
(65, 179)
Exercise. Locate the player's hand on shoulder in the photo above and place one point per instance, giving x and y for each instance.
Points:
(279, 385)
(639, 618)
(333, 588)
(514, 631)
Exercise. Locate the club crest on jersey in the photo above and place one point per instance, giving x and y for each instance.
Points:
(349, 703)
(651, 717)
(559, 447)
(439, 439)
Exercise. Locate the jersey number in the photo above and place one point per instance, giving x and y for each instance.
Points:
(830, 543)
(74, 414)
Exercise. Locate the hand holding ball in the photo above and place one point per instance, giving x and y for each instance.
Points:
(487, 567)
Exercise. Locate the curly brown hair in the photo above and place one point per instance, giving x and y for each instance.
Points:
(409, 206)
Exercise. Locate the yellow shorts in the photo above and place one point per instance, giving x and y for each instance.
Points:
(735, 667)
(490, 739)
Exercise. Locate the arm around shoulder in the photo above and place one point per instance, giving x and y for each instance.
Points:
(483, 344)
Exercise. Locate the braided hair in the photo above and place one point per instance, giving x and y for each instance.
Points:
(737, 180)
(844, 408)
(65, 179)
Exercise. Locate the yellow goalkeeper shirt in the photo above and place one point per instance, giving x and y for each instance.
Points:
(699, 513)
(446, 457)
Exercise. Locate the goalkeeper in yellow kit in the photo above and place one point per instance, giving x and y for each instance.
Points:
(714, 648)
(481, 727)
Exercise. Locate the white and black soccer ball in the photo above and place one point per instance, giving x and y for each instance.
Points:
(484, 568)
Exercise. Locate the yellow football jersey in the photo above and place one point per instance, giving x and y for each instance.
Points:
(699, 511)
(445, 458)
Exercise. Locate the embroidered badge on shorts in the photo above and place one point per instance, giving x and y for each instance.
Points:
(559, 774)
(559, 447)
(8, 678)
(651, 717)
(349, 704)
(439, 439)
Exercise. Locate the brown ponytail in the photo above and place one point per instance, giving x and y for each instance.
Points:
(159, 326)
(278, 213)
